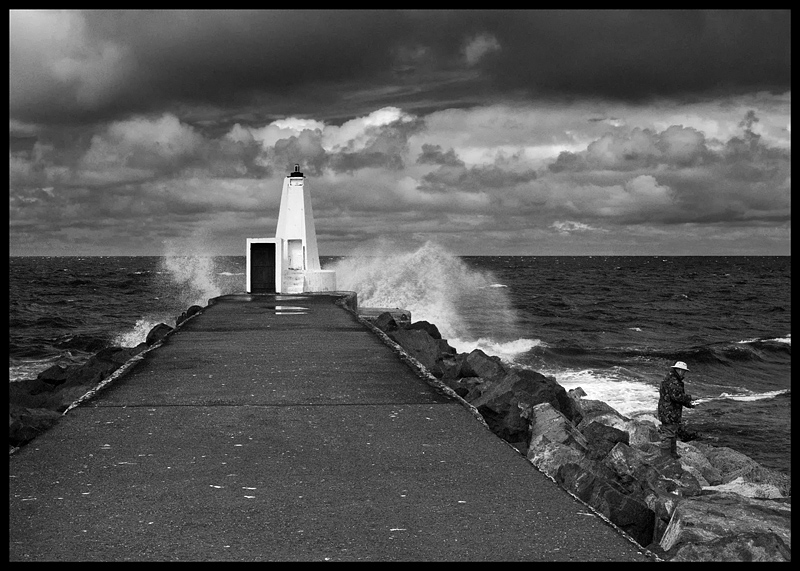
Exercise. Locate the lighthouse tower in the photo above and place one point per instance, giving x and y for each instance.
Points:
(289, 262)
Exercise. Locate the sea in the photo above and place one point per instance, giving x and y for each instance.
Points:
(611, 325)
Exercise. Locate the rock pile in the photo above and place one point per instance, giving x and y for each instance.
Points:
(34, 405)
(712, 504)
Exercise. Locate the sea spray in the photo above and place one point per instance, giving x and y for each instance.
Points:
(185, 276)
(192, 276)
(138, 334)
(438, 287)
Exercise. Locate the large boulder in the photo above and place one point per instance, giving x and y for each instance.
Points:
(730, 463)
(628, 513)
(549, 456)
(451, 365)
(25, 424)
(664, 475)
(749, 489)
(601, 439)
(157, 333)
(592, 407)
(192, 310)
(728, 527)
(626, 461)
(550, 425)
(421, 346)
(696, 462)
(604, 415)
(479, 364)
(463, 386)
(642, 434)
(56, 374)
(429, 328)
(753, 546)
(663, 505)
(503, 404)
(734, 466)
(385, 322)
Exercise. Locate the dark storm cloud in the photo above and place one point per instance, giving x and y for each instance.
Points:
(115, 63)
(636, 54)
(197, 57)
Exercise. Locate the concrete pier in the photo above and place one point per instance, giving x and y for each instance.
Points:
(280, 428)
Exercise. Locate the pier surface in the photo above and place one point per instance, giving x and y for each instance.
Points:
(280, 428)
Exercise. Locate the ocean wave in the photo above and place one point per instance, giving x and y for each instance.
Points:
(787, 340)
(746, 396)
(507, 350)
(625, 396)
(430, 282)
(138, 334)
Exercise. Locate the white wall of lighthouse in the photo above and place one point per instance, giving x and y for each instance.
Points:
(295, 261)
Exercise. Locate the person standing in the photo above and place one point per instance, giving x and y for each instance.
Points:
(672, 398)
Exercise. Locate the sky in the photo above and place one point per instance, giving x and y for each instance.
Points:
(610, 132)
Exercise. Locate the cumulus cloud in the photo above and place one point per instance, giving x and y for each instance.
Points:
(497, 171)
(640, 195)
(378, 139)
(638, 148)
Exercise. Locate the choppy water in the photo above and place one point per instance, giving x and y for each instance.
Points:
(611, 325)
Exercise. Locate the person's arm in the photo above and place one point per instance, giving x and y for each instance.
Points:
(678, 395)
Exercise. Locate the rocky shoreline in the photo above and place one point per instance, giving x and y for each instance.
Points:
(34, 405)
(711, 504)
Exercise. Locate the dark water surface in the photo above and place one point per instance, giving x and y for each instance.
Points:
(612, 325)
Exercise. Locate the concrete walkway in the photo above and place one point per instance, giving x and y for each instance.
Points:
(281, 428)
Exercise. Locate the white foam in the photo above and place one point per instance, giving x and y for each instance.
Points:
(192, 272)
(743, 397)
(139, 332)
(625, 396)
(430, 282)
(507, 351)
(787, 339)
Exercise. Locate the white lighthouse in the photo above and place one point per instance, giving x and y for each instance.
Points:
(289, 262)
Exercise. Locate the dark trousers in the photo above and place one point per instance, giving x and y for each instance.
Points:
(669, 439)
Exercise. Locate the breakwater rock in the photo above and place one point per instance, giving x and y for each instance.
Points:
(711, 504)
(37, 404)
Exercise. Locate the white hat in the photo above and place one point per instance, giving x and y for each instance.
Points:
(680, 365)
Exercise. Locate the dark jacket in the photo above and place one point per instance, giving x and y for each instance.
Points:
(672, 399)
